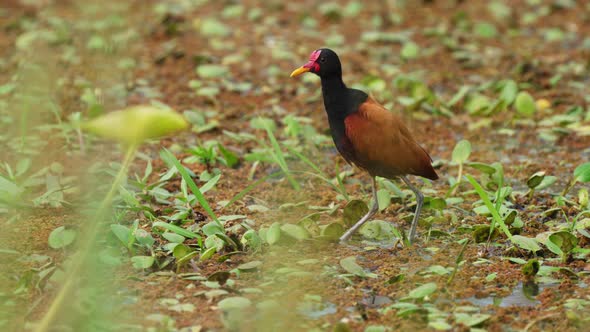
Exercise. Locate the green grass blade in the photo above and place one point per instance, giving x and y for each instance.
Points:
(170, 159)
(249, 188)
(484, 196)
(324, 179)
(280, 158)
(320, 174)
(178, 230)
(341, 183)
(499, 199)
(307, 161)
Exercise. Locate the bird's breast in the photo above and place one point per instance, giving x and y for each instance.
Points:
(341, 141)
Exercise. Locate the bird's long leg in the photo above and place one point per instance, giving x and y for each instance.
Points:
(366, 217)
(419, 202)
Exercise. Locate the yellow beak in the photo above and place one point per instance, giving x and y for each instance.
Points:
(299, 71)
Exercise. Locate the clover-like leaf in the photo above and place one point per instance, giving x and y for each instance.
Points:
(61, 237)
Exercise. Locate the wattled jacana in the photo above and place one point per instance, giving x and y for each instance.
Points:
(368, 135)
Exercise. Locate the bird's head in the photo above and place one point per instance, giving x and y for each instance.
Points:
(323, 62)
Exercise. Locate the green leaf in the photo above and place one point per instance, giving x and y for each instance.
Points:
(526, 243)
(485, 30)
(234, 303)
(171, 160)
(177, 230)
(23, 166)
(352, 9)
(230, 159)
(437, 269)
(461, 151)
(210, 184)
(476, 103)
(525, 104)
(144, 237)
(371, 229)
(250, 266)
(332, 231)
(208, 253)
(7, 88)
(531, 268)
(251, 240)
(410, 50)
(279, 157)
(552, 247)
(182, 250)
(535, 179)
(459, 95)
(212, 71)
(565, 240)
(121, 232)
(583, 197)
(485, 168)
(263, 123)
(142, 262)
(212, 228)
(440, 325)
(423, 291)
(383, 198)
(353, 211)
(486, 199)
(214, 241)
(548, 180)
(211, 27)
(173, 237)
(61, 237)
(136, 124)
(295, 231)
(274, 233)
(349, 265)
(582, 172)
(470, 319)
(509, 92)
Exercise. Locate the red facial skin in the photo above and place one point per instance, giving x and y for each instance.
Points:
(313, 66)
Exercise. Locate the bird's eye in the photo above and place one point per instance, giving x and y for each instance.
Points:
(322, 60)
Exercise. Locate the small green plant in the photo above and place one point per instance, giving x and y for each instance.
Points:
(461, 153)
(539, 181)
(523, 242)
(581, 174)
(337, 185)
(131, 127)
(279, 158)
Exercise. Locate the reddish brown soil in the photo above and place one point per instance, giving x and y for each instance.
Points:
(522, 154)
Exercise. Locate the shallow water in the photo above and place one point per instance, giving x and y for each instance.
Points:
(523, 295)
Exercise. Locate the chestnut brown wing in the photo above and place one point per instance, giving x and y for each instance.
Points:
(383, 145)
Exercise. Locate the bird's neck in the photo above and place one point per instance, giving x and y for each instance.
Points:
(334, 92)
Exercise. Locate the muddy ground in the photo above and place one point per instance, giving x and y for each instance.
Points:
(302, 283)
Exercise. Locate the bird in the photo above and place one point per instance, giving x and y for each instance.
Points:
(368, 135)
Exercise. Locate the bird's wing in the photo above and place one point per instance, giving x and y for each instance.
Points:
(383, 145)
